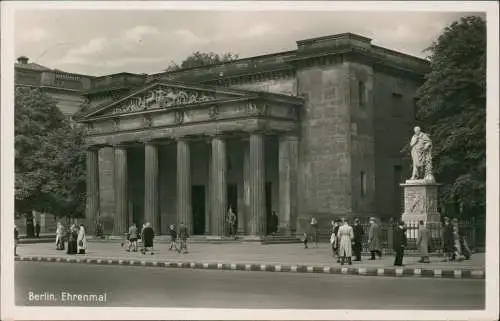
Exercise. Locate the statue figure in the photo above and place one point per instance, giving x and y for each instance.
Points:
(421, 146)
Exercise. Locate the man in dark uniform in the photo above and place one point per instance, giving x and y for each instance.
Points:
(400, 243)
(358, 239)
(37, 229)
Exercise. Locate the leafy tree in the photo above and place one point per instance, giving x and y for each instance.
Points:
(49, 158)
(199, 59)
(452, 108)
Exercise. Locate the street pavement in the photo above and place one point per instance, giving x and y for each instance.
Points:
(246, 253)
(136, 286)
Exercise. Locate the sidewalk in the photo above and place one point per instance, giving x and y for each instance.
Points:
(257, 257)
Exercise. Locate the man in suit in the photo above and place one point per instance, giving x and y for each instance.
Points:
(400, 243)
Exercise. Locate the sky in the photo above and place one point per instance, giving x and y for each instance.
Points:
(98, 42)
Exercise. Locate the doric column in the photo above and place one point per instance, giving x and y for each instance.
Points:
(184, 210)
(219, 185)
(257, 217)
(288, 162)
(121, 191)
(208, 210)
(92, 208)
(151, 186)
(246, 189)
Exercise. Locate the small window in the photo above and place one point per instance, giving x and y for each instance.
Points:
(397, 107)
(363, 184)
(362, 95)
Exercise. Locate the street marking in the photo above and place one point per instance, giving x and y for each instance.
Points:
(248, 267)
(262, 267)
(143, 263)
(155, 263)
(40, 258)
(399, 272)
(438, 273)
(294, 268)
(205, 265)
(277, 268)
(326, 269)
(89, 261)
(417, 272)
(99, 261)
(362, 271)
(111, 262)
(457, 273)
(192, 265)
(219, 266)
(77, 260)
(233, 266)
(68, 260)
(120, 262)
(131, 262)
(380, 271)
(345, 270)
(310, 269)
(179, 264)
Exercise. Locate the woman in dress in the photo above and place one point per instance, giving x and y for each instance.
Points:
(81, 240)
(59, 237)
(345, 236)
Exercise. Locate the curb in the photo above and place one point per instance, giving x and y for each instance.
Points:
(398, 272)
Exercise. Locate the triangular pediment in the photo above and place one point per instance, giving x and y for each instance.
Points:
(163, 96)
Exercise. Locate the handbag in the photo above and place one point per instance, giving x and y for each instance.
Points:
(80, 243)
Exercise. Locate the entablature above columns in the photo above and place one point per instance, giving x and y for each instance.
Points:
(236, 111)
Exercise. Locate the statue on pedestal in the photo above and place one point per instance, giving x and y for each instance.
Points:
(421, 147)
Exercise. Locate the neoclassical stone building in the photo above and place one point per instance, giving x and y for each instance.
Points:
(316, 131)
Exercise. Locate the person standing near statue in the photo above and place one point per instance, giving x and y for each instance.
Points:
(421, 146)
(423, 242)
(231, 221)
(374, 239)
(400, 242)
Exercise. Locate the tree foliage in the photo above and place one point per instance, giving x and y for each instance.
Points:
(452, 108)
(49, 158)
(198, 59)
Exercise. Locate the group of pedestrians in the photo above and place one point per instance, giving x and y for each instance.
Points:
(347, 241)
(178, 239)
(146, 235)
(74, 239)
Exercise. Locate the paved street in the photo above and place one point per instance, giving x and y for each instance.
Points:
(159, 287)
(245, 253)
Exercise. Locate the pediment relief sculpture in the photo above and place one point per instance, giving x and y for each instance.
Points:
(162, 97)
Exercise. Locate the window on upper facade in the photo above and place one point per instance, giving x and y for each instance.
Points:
(362, 95)
(397, 108)
(363, 184)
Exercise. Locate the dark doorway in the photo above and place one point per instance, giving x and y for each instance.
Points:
(269, 207)
(198, 207)
(232, 200)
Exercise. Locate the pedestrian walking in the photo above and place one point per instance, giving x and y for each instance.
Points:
(423, 242)
(37, 229)
(314, 230)
(183, 236)
(275, 222)
(82, 240)
(448, 246)
(147, 239)
(72, 240)
(231, 221)
(59, 237)
(334, 228)
(173, 238)
(345, 236)
(374, 239)
(358, 239)
(400, 243)
(16, 239)
(132, 238)
(305, 240)
(141, 236)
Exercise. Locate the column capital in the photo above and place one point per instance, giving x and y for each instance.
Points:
(89, 147)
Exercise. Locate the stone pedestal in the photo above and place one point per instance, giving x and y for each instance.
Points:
(420, 203)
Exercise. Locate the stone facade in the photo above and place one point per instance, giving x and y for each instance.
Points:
(312, 132)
